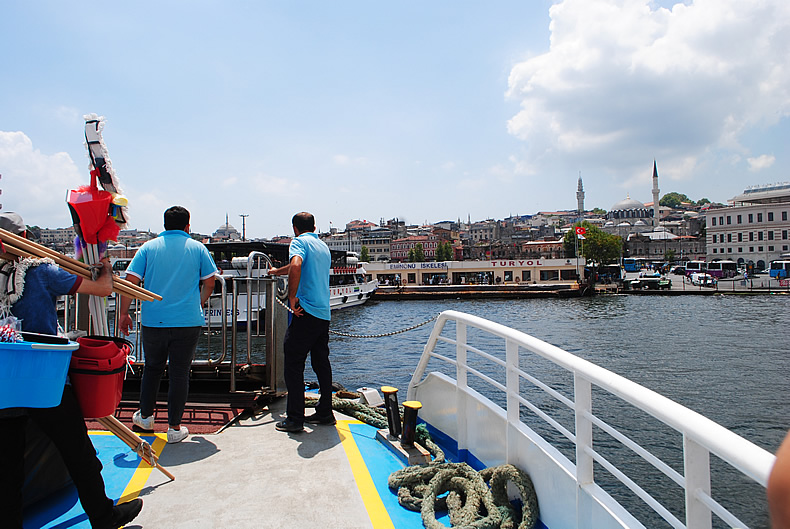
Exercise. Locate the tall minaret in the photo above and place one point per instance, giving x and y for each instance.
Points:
(580, 197)
(656, 212)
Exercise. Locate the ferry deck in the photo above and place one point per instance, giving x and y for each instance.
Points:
(249, 476)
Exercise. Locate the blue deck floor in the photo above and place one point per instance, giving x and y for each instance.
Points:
(123, 475)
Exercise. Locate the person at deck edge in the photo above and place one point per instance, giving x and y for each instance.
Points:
(173, 265)
(42, 281)
(308, 331)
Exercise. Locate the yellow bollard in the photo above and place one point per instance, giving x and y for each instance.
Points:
(410, 409)
(391, 405)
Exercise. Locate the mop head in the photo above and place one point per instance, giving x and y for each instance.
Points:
(101, 168)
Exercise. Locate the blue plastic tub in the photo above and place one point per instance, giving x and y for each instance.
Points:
(32, 374)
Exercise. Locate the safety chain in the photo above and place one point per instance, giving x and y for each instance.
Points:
(393, 333)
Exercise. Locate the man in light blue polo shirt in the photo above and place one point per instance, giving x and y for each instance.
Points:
(308, 332)
(181, 270)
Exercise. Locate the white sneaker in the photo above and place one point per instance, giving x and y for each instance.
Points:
(145, 424)
(176, 436)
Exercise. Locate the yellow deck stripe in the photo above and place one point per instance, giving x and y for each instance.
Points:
(367, 489)
(143, 472)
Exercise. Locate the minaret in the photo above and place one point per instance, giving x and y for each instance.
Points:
(656, 212)
(580, 197)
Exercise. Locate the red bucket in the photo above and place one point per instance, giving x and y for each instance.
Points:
(98, 382)
(97, 347)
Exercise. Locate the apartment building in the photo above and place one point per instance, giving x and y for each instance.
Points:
(754, 228)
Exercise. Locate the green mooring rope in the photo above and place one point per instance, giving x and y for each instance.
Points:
(475, 500)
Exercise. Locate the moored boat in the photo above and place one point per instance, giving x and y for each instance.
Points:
(348, 283)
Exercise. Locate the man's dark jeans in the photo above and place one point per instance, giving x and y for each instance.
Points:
(307, 335)
(160, 344)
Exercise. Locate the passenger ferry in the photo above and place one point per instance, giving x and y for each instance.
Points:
(348, 283)
(489, 396)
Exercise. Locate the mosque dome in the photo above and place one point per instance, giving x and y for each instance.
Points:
(628, 203)
(226, 232)
(628, 209)
(640, 222)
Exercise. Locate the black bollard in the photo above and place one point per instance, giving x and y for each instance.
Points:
(391, 405)
(410, 408)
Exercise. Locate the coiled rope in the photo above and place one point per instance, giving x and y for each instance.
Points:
(382, 335)
(475, 500)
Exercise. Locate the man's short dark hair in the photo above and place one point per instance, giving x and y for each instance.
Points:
(304, 222)
(176, 218)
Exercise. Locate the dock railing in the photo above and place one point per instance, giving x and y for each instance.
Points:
(701, 436)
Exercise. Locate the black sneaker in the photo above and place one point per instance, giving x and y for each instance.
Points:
(288, 425)
(122, 514)
(320, 419)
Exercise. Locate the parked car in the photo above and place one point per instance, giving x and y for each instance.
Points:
(705, 280)
(678, 270)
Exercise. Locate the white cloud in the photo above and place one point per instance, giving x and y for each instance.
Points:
(761, 162)
(342, 159)
(280, 187)
(623, 82)
(35, 184)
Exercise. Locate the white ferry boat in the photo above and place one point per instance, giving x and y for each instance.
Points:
(489, 396)
(348, 286)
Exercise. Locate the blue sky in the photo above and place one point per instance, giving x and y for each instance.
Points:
(425, 111)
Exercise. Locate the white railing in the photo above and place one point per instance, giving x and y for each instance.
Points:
(701, 436)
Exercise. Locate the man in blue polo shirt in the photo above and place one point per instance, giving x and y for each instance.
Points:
(308, 332)
(181, 270)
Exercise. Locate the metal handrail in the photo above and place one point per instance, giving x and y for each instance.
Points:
(701, 436)
(223, 322)
(254, 257)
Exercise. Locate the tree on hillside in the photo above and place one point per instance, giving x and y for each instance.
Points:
(673, 200)
(598, 211)
(598, 246)
(364, 255)
(444, 251)
(703, 201)
(419, 253)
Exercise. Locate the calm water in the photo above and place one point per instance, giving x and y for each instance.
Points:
(724, 356)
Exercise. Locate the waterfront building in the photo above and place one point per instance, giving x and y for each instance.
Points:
(753, 229)
(660, 243)
(60, 239)
(488, 272)
(359, 226)
(399, 248)
(343, 242)
(543, 249)
(483, 231)
(378, 241)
